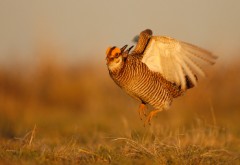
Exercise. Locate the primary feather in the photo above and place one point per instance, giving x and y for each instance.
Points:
(175, 59)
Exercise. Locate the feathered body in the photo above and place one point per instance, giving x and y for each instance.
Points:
(144, 85)
(157, 70)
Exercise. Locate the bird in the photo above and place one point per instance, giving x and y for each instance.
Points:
(158, 70)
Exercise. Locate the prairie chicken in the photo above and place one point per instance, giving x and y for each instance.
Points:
(157, 70)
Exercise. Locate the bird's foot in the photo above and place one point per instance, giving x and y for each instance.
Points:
(150, 116)
(142, 110)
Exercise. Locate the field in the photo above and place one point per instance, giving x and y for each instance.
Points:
(56, 113)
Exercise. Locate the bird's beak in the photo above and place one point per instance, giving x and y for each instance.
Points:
(129, 49)
(123, 48)
(125, 54)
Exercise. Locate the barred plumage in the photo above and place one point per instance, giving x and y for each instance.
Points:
(151, 81)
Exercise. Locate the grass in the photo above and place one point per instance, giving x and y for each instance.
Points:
(199, 145)
(58, 114)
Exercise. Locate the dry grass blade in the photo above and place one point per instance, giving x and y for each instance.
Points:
(136, 147)
(33, 132)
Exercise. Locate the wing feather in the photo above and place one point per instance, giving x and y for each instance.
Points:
(199, 53)
(193, 65)
(188, 71)
(176, 60)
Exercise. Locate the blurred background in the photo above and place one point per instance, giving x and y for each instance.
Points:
(53, 72)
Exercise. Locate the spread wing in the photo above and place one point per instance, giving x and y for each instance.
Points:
(177, 61)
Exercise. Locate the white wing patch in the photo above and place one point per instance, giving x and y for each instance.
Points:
(175, 59)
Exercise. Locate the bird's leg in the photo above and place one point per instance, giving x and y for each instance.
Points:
(150, 116)
(142, 110)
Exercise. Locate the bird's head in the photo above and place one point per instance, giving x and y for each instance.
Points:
(116, 57)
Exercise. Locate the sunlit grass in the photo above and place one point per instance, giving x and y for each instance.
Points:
(69, 114)
(202, 144)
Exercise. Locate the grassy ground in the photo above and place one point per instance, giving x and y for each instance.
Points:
(76, 140)
(56, 114)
